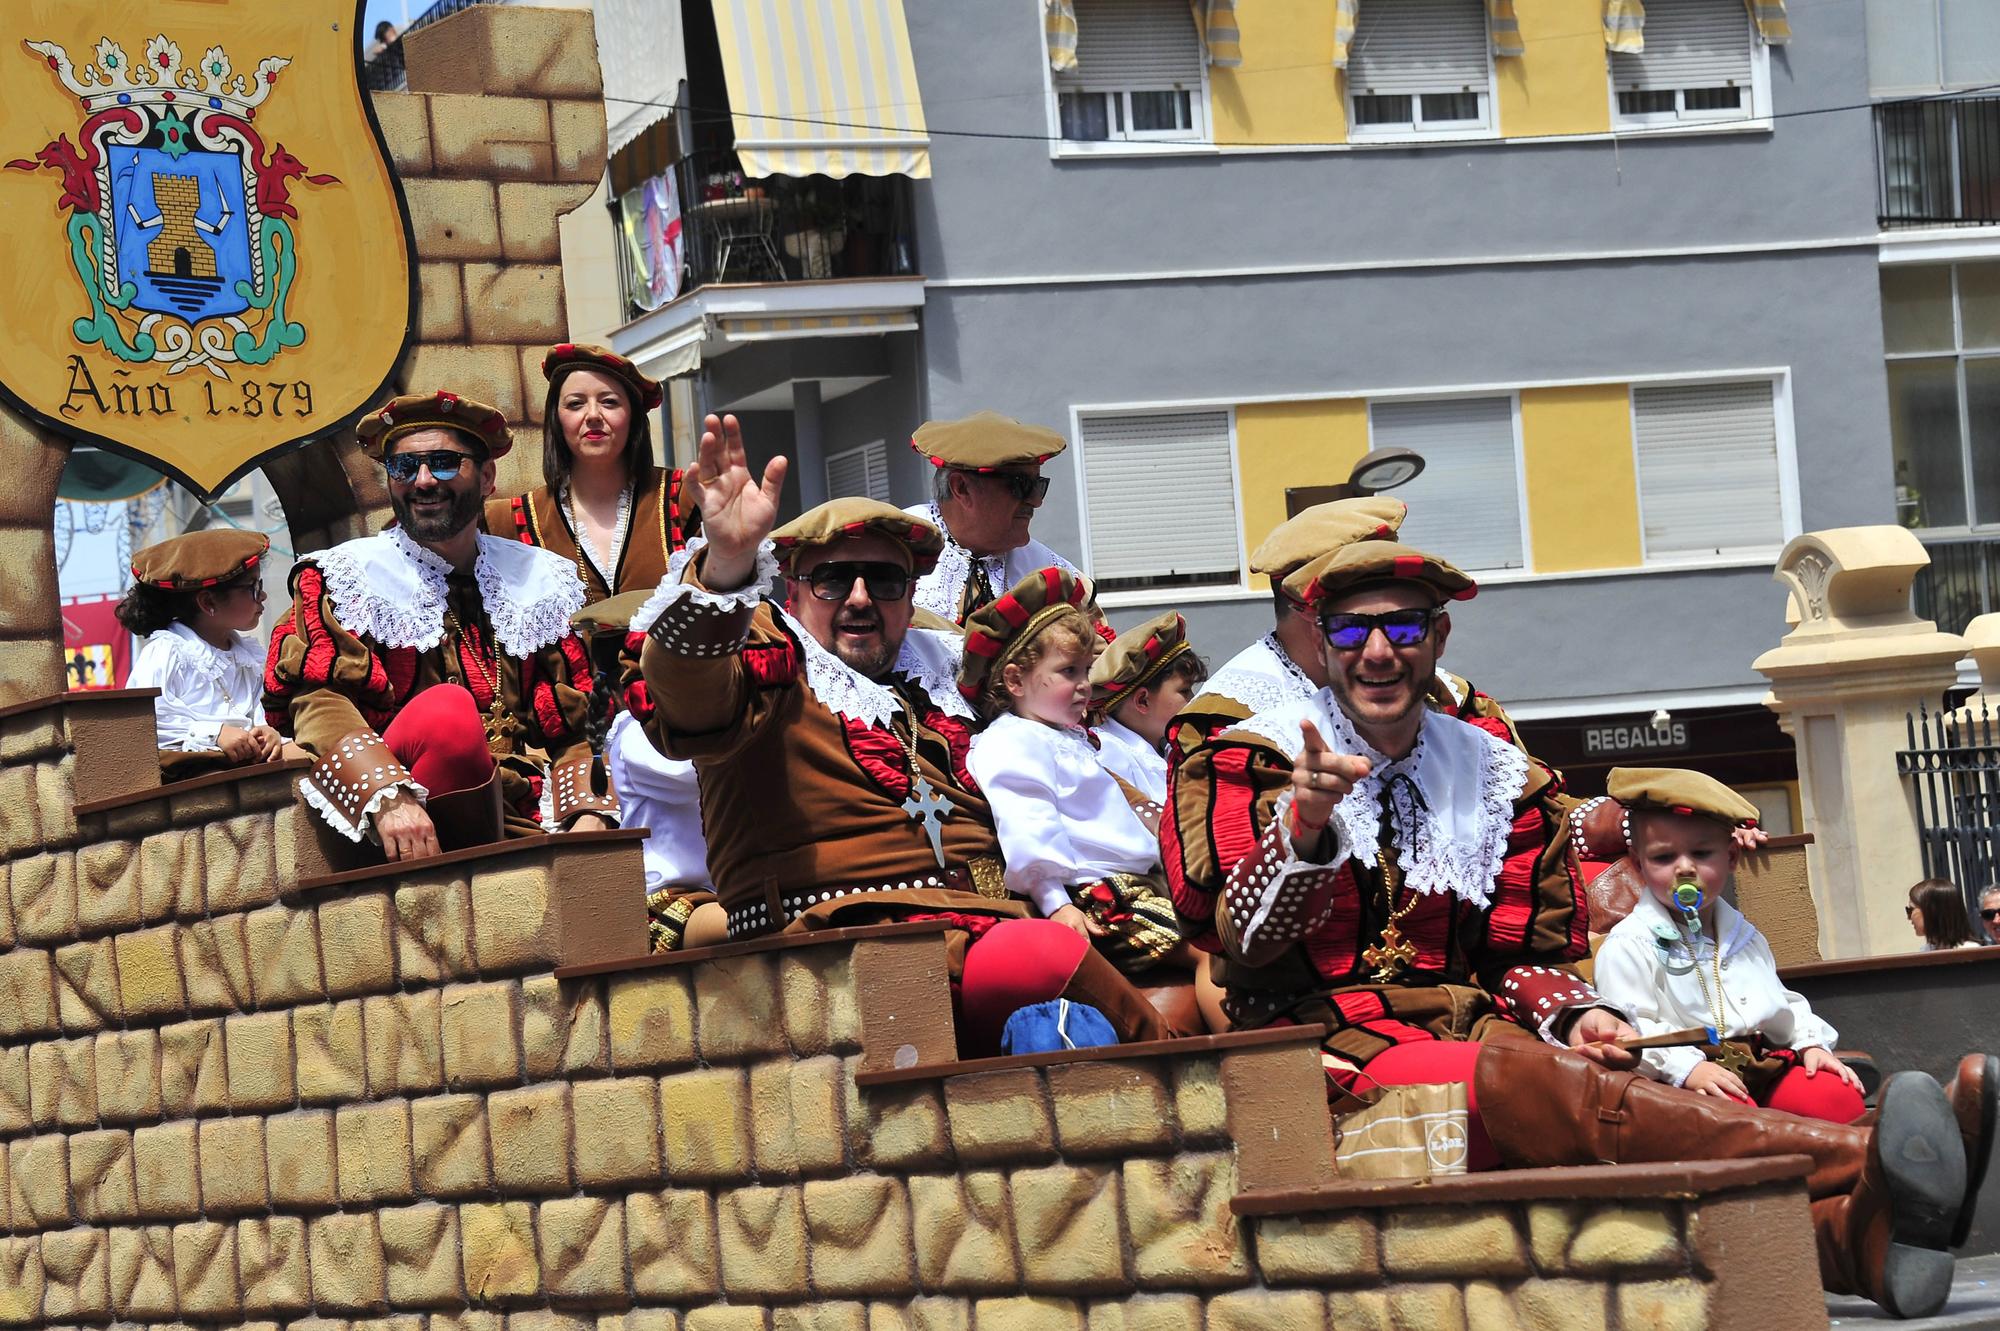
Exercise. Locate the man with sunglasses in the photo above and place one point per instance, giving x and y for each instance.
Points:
(1989, 915)
(987, 485)
(431, 668)
(829, 738)
(1405, 879)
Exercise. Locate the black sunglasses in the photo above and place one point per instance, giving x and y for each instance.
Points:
(1990, 915)
(834, 581)
(1025, 489)
(1403, 628)
(444, 465)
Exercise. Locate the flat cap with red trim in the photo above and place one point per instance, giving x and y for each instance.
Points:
(567, 356)
(854, 516)
(1003, 626)
(986, 441)
(1366, 563)
(200, 559)
(1677, 790)
(1324, 528)
(433, 411)
(1137, 657)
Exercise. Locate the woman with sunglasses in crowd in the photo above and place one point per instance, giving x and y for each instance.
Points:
(602, 503)
(1936, 913)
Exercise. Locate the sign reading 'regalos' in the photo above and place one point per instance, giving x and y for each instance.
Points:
(206, 261)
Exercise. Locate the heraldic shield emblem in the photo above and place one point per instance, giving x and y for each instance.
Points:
(208, 260)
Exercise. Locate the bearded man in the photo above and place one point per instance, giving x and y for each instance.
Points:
(431, 669)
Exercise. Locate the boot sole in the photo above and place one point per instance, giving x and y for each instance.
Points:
(1923, 1161)
(1975, 1164)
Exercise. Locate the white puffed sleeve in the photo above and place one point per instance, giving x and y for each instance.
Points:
(1628, 975)
(1016, 770)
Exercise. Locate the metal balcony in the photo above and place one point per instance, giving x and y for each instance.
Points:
(1937, 162)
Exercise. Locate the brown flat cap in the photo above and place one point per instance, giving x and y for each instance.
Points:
(434, 411)
(1364, 563)
(1137, 656)
(996, 629)
(1324, 528)
(200, 559)
(1677, 790)
(855, 516)
(986, 441)
(566, 356)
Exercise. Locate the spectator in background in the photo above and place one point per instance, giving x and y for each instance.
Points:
(385, 36)
(1937, 915)
(1989, 913)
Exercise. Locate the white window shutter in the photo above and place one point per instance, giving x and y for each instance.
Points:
(860, 471)
(1134, 44)
(1419, 46)
(1466, 507)
(1708, 469)
(1689, 44)
(1161, 492)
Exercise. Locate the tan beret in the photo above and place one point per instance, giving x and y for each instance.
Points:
(1003, 626)
(613, 612)
(986, 441)
(434, 411)
(1677, 790)
(1324, 528)
(1137, 657)
(856, 516)
(200, 559)
(566, 356)
(1365, 563)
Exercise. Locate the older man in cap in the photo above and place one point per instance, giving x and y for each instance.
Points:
(829, 740)
(431, 669)
(1404, 877)
(987, 485)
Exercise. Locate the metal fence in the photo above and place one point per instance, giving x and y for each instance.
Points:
(1937, 162)
(385, 72)
(1953, 765)
(1961, 583)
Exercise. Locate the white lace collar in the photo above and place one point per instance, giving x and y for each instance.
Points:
(391, 590)
(244, 651)
(1730, 925)
(942, 590)
(1453, 795)
(928, 659)
(1261, 677)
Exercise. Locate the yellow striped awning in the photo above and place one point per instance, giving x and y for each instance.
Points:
(1503, 27)
(1625, 26)
(771, 328)
(1215, 20)
(1772, 25)
(822, 87)
(1344, 15)
(1059, 29)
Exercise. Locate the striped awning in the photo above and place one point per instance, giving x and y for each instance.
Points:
(822, 87)
(1625, 24)
(773, 328)
(1503, 27)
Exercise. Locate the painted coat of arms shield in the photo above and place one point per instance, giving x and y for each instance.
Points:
(209, 256)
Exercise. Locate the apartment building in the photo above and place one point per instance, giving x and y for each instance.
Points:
(1615, 272)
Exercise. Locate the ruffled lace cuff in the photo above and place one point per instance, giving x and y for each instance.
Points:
(690, 620)
(349, 784)
(1273, 896)
(572, 792)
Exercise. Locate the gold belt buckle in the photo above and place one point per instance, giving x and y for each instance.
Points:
(989, 877)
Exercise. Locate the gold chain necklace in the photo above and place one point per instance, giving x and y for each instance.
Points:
(1730, 1056)
(1394, 952)
(925, 803)
(501, 726)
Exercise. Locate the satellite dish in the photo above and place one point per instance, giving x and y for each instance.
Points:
(1385, 469)
(93, 476)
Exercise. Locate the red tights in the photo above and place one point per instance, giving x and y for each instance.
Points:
(440, 737)
(1014, 964)
(1823, 1095)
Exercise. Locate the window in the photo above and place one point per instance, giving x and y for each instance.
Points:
(1699, 64)
(1419, 67)
(860, 471)
(1929, 46)
(1467, 504)
(1708, 470)
(1941, 329)
(1138, 74)
(1159, 490)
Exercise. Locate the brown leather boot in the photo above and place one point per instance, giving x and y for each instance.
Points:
(1103, 986)
(1975, 1096)
(470, 817)
(1887, 1239)
(1578, 1113)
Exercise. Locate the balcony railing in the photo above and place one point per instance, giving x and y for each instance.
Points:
(384, 70)
(1937, 162)
(778, 229)
(1961, 584)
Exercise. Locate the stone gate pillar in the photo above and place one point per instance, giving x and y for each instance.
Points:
(1842, 682)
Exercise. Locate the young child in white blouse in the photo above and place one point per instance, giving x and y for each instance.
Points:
(1686, 958)
(193, 602)
(1073, 844)
(1138, 686)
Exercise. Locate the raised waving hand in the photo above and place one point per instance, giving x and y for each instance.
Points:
(737, 510)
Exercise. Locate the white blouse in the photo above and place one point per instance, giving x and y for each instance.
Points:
(661, 795)
(1127, 754)
(1657, 988)
(1061, 818)
(202, 688)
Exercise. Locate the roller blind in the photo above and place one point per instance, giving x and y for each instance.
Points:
(1417, 46)
(1162, 497)
(860, 471)
(1467, 504)
(1708, 469)
(1689, 44)
(1125, 44)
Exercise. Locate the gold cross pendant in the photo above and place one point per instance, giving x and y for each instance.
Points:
(1732, 1057)
(1392, 954)
(501, 724)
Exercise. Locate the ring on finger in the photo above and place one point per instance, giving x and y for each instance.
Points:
(1312, 779)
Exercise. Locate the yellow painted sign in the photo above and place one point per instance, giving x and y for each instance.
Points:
(207, 257)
